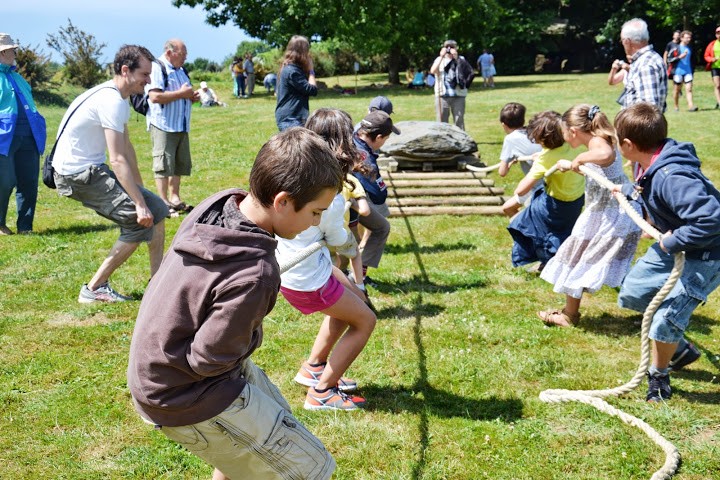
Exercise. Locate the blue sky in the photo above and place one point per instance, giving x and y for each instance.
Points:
(145, 22)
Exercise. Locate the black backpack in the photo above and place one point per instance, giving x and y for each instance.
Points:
(459, 73)
(139, 101)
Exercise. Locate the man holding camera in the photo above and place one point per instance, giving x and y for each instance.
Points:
(646, 80)
(449, 94)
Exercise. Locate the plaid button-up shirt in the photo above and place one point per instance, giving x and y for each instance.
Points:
(646, 80)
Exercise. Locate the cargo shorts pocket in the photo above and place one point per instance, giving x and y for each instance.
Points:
(259, 426)
(188, 436)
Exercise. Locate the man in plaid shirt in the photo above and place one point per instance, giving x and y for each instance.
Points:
(647, 78)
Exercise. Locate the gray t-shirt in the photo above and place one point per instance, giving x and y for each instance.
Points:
(517, 144)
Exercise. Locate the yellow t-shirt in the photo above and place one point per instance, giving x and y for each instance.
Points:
(358, 192)
(565, 186)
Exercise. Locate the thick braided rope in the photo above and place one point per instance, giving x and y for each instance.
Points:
(594, 397)
(492, 168)
(301, 255)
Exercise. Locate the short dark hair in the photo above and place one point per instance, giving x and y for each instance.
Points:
(545, 128)
(643, 124)
(513, 115)
(130, 56)
(296, 161)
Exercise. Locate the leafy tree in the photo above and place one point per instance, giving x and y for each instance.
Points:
(81, 53)
(34, 66)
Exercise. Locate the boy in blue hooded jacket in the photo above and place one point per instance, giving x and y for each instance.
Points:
(684, 205)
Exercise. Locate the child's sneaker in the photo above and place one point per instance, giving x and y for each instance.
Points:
(658, 388)
(309, 376)
(103, 293)
(332, 399)
(683, 358)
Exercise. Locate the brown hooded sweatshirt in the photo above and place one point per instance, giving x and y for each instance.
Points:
(202, 313)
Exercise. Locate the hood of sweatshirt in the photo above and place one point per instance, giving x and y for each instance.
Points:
(216, 231)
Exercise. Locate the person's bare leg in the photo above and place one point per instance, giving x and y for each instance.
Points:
(161, 183)
(676, 95)
(156, 247)
(689, 95)
(119, 253)
(716, 84)
(572, 305)
(174, 190)
(218, 475)
(662, 353)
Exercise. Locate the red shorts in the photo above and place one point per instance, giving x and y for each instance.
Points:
(316, 300)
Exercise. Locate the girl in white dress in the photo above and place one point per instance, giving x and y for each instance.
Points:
(603, 241)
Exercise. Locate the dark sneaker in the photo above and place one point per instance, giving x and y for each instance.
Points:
(684, 358)
(658, 388)
(333, 399)
(309, 376)
(104, 293)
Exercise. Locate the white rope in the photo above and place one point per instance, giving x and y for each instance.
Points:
(594, 397)
(491, 168)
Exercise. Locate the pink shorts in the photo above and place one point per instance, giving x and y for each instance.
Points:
(317, 300)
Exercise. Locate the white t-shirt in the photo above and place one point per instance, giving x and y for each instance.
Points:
(207, 96)
(314, 271)
(82, 143)
(517, 144)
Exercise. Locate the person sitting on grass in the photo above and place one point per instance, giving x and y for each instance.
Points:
(190, 372)
(315, 285)
(539, 229)
(685, 206)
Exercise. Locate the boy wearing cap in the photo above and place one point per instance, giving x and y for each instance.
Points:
(378, 103)
(374, 131)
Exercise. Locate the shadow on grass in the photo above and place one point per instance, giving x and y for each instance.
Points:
(428, 310)
(614, 326)
(423, 399)
(437, 248)
(708, 398)
(78, 229)
(421, 284)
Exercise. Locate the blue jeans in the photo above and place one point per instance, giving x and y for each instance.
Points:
(20, 168)
(649, 274)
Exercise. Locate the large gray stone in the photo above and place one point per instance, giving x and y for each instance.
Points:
(429, 140)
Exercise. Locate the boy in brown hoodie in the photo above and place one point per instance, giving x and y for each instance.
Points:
(189, 371)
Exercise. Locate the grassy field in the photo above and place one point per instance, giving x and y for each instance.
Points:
(451, 374)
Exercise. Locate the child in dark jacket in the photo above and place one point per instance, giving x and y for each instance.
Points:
(685, 206)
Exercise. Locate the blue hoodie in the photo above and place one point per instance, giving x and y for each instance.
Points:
(680, 198)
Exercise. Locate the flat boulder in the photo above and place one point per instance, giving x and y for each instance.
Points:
(428, 140)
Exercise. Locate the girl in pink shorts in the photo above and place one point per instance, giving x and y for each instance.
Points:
(315, 285)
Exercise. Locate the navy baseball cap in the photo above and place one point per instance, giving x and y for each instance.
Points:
(381, 103)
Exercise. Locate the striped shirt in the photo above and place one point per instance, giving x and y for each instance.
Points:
(173, 116)
(646, 80)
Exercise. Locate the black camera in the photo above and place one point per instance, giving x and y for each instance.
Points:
(448, 50)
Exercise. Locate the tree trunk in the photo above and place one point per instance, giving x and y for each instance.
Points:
(394, 66)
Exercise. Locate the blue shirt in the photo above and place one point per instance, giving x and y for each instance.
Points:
(684, 65)
(373, 184)
(173, 116)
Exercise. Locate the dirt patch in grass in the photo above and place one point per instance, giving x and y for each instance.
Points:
(67, 320)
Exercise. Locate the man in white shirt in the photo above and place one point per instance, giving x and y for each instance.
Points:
(97, 121)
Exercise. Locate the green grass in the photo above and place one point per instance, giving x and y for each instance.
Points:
(452, 372)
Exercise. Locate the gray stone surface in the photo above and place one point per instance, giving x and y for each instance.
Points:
(429, 140)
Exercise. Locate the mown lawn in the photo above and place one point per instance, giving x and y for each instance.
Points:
(452, 373)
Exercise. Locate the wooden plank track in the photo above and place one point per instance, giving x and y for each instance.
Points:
(442, 193)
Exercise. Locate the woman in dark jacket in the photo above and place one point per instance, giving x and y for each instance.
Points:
(295, 84)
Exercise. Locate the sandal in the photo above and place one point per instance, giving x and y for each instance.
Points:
(559, 318)
(181, 207)
(172, 213)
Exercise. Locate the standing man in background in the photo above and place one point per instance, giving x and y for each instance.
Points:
(647, 77)
(171, 97)
(249, 73)
(449, 94)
